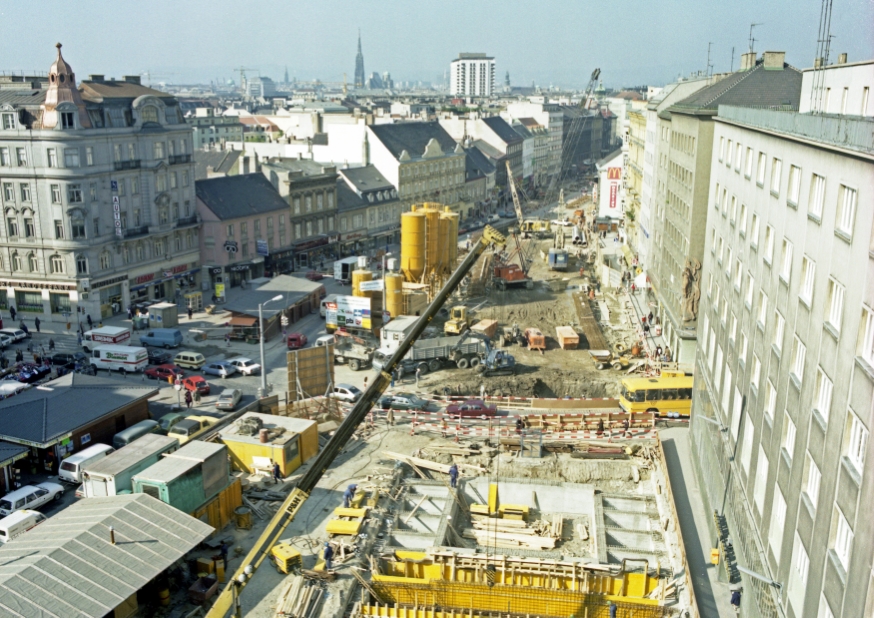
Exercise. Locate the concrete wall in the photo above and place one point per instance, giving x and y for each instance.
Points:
(855, 77)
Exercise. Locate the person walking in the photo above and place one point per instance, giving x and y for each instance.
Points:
(12, 312)
(188, 399)
(482, 391)
(613, 609)
(224, 553)
(735, 600)
(228, 339)
(365, 382)
(51, 345)
(79, 339)
(392, 385)
(36, 322)
(89, 320)
(196, 398)
(190, 313)
(453, 475)
(418, 373)
(328, 555)
(625, 426)
(600, 426)
(277, 473)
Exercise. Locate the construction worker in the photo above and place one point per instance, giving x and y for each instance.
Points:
(613, 609)
(735, 600)
(328, 555)
(224, 553)
(349, 494)
(277, 473)
(453, 475)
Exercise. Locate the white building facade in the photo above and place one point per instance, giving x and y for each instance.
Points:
(472, 75)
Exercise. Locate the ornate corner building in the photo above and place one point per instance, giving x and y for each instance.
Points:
(97, 191)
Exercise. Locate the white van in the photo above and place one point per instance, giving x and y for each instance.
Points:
(72, 467)
(30, 497)
(120, 358)
(18, 523)
(323, 308)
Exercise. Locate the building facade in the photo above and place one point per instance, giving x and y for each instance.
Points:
(98, 193)
(212, 131)
(472, 75)
(369, 210)
(636, 142)
(785, 366)
(547, 115)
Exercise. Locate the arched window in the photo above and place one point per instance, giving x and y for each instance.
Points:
(56, 263)
(16, 261)
(81, 265)
(32, 263)
(149, 113)
(105, 260)
(125, 254)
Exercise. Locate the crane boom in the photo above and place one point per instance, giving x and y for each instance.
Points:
(516, 204)
(229, 598)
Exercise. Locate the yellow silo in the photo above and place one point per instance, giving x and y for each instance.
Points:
(413, 245)
(433, 248)
(394, 294)
(451, 238)
(358, 277)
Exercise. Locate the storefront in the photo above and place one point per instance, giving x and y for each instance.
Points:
(309, 253)
(354, 243)
(279, 262)
(111, 293)
(168, 285)
(39, 298)
(238, 274)
(385, 236)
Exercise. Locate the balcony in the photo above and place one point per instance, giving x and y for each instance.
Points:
(131, 164)
(180, 158)
(187, 221)
(132, 232)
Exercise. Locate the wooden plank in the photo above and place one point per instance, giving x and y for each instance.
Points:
(415, 508)
(493, 497)
(430, 465)
(589, 325)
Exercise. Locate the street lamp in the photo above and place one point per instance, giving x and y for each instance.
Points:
(767, 580)
(261, 343)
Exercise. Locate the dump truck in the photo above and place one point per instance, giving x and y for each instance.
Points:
(352, 351)
(486, 327)
(426, 355)
(557, 259)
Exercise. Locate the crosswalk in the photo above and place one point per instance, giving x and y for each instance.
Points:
(40, 341)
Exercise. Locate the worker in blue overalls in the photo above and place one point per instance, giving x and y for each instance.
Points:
(328, 555)
(349, 494)
(453, 475)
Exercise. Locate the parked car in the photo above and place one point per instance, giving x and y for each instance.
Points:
(325, 340)
(14, 333)
(190, 360)
(164, 372)
(167, 422)
(315, 276)
(67, 360)
(162, 338)
(494, 218)
(30, 497)
(228, 399)
(222, 369)
(296, 341)
(472, 408)
(5, 340)
(185, 429)
(347, 393)
(159, 357)
(196, 383)
(246, 366)
(403, 401)
(506, 214)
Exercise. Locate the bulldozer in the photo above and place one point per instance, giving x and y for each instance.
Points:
(458, 321)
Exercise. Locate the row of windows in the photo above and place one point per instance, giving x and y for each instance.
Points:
(423, 169)
(72, 158)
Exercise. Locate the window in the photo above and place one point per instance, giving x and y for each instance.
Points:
(68, 120)
(116, 152)
(798, 575)
(751, 283)
(865, 93)
(742, 352)
(184, 177)
(742, 222)
(747, 446)
(817, 196)
(761, 479)
(308, 202)
(788, 442)
(56, 263)
(732, 333)
(159, 247)
(823, 397)
(56, 194)
(74, 194)
(174, 180)
(778, 521)
(52, 157)
(866, 350)
(835, 304)
(770, 400)
(134, 186)
(794, 185)
(755, 374)
(4, 156)
(131, 152)
(763, 309)
(32, 263)
(121, 187)
(163, 215)
(96, 225)
(105, 261)
(71, 157)
(92, 190)
(158, 150)
(77, 226)
(89, 156)
(296, 203)
(8, 192)
(29, 228)
(846, 210)
(760, 170)
(738, 273)
(754, 232)
(149, 113)
(813, 477)
(858, 441)
(12, 226)
(843, 543)
(748, 166)
(25, 191)
(16, 262)
(737, 157)
(230, 230)
(21, 157)
(721, 148)
(786, 261)
(779, 329)
(824, 610)
(732, 213)
(320, 201)
(244, 229)
(81, 265)
(8, 121)
(808, 270)
(160, 183)
(59, 229)
(769, 245)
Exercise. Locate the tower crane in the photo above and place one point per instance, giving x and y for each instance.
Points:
(242, 71)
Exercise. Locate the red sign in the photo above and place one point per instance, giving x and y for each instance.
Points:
(144, 278)
(614, 189)
(614, 173)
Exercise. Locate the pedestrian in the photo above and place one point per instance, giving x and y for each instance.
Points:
(328, 555)
(277, 473)
(392, 379)
(36, 322)
(735, 600)
(190, 313)
(89, 320)
(520, 425)
(612, 610)
(600, 426)
(23, 327)
(130, 313)
(196, 398)
(365, 382)
(12, 312)
(418, 373)
(453, 475)
(349, 494)
(228, 339)
(659, 352)
(188, 399)
(626, 425)
(458, 389)
(390, 416)
(224, 552)
(30, 346)
(650, 317)
(79, 339)
(633, 288)
(482, 391)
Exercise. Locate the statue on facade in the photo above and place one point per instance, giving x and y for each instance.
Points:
(691, 289)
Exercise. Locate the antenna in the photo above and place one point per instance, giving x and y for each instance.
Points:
(731, 66)
(709, 66)
(823, 44)
(752, 40)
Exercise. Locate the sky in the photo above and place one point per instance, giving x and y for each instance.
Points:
(549, 42)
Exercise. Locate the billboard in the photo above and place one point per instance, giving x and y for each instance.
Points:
(614, 173)
(348, 312)
(614, 190)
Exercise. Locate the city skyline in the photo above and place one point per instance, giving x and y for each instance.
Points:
(563, 55)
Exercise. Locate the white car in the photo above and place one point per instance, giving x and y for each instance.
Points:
(246, 366)
(325, 340)
(5, 340)
(347, 393)
(30, 497)
(561, 223)
(14, 333)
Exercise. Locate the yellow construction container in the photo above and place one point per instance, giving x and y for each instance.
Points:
(286, 557)
(451, 238)
(289, 442)
(358, 277)
(413, 245)
(394, 294)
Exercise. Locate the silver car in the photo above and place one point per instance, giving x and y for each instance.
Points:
(222, 369)
(246, 366)
(229, 399)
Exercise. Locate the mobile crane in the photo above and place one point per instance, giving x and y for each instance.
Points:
(229, 599)
(508, 275)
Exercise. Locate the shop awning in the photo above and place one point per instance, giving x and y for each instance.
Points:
(243, 321)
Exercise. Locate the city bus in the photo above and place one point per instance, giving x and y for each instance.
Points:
(668, 396)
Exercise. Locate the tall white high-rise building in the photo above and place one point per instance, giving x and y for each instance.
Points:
(472, 75)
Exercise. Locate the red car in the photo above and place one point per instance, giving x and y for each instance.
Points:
(196, 383)
(296, 341)
(472, 408)
(164, 372)
(315, 276)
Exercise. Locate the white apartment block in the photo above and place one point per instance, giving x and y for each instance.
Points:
(549, 116)
(472, 75)
(785, 360)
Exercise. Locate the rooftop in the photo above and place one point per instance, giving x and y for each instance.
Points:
(67, 566)
(366, 178)
(503, 130)
(100, 91)
(413, 138)
(291, 426)
(221, 162)
(139, 449)
(10, 453)
(234, 197)
(291, 288)
(44, 415)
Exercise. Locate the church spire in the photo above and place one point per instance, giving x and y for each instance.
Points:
(359, 65)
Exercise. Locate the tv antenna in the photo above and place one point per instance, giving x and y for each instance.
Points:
(823, 45)
(731, 66)
(752, 40)
(709, 66)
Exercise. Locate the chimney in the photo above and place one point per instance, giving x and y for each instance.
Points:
(773, 60)
(112, 535)
(132, 79)
(747, 61)
(95, 78)
(817, 63)
(842, 58)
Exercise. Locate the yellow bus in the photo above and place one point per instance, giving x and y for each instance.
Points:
(667, 396)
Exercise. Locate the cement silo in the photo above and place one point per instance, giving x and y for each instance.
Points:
(413, 225)
(394, 294)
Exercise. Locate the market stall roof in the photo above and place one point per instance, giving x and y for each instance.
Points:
(292, 290)
(243, 321)
(48, 413)
(69, 566)
(10, 453)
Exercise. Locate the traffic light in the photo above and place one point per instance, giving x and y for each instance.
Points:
(284, 320)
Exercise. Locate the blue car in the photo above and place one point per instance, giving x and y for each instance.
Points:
(222, 369)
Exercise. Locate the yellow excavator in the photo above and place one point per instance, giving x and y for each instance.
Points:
(229, 599)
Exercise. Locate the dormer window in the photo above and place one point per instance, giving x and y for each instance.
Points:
(370, 197)
(8, 121)
(68, 120)
(149, 114)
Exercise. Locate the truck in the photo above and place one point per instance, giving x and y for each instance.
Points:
(351, 350)
(463, 351)
(112, 335)
(343, 269)
(114, 473)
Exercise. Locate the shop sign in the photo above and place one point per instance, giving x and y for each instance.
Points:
(311, 244)
(144, 278)
(220, 290)
(109, 282)
(261, 247)
(33, 285)
(231, 246)
(216, 271)
(239, 268)
(349, 311)
(353, 235)
(116, 216)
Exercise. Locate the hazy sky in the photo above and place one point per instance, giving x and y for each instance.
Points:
(547, 41)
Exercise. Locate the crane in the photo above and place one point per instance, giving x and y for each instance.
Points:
(229, 597)
(507, 275)
(242, 71)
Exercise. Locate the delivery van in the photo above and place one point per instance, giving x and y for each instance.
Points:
(18, 523)
(105, 335)
(190, 360)
(162, 338)
(125, 358)
(323, 308)
(123, 438)
(72, 467)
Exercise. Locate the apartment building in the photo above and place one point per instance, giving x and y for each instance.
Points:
(97, 187)
(472, 75)
(212, 131)
(547, 115)
(784, 388)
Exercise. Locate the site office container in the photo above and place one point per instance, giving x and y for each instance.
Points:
(567, 337)
(114, 474)
(187, 478)
(290, 448)
(486, 327)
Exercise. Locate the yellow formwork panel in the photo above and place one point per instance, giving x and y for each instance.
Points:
(513, 511)
(493, 497)
(344, 526)
(595, 608)
(342, 511)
